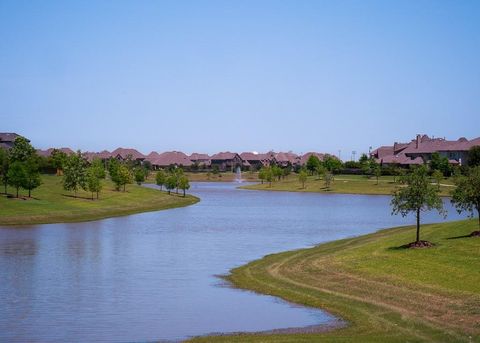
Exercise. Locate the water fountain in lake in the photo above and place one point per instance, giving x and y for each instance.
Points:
(238, 176)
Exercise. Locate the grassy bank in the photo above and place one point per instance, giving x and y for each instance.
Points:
(52, 204)
(386, 293)
(346, 184)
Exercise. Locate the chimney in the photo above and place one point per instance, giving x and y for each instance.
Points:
(418, 140)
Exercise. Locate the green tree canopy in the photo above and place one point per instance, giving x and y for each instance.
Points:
(466, 196)
(139, 175)
(302, 177)
(17, 175)
(21, 150)
(440, 163)
(94, 183)
(416, 196)
(161, 178)
(171, 183)
(474, 156)
(75, 173)
(183, 184)
(32, 174)
(332, 164)
(58, 159)
(4, 166)
(313, 162)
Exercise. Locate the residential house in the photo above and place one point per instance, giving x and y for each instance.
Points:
(123, 154)
(169, 159)
(7, 139)
(228, 161)
(420, 150)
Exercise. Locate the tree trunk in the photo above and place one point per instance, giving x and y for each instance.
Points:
(97, 195)
(184, 193)
(418, 225)
(29, 193)
(5, 184)
(17, 191)
(124, 186)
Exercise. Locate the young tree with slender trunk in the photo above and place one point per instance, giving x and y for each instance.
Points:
(328, 177)
(32, 174)
(302, 177)
(183, 184)
(466, 196)
(161, 178)
(416, 196)
(17, 175)
(94, 183)
(4, 166)
(75, 173)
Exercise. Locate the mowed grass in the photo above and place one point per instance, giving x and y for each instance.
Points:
(346, 184)
(384, 292)
(52, 204)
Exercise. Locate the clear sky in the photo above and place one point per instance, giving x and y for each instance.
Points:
(210, 76)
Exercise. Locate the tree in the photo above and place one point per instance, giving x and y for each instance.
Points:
(4, 166)
(395, 170)
(139, 175)
(440, 163)
(269, 175)
(94, 183)
(277, 172)
(215, 169)
(21, 150)
(262, 174)
(418, 195)
(377, 171)
(183, 184)
(58, 159)
(437, 176)
(75, 173)
(332, 164)
(312, 164)
(466, 196)
(171, 183)
(123, 177)
(302, 177)
(113, 167)
(17, 175)
(32, 174)
(320, 171)
(328, 177)
(474, 156)
(161, 178)
(98, 168)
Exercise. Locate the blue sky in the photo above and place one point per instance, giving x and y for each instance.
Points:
(239, 75)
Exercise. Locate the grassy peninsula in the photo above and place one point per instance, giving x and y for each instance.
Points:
(50, 203)
(345, 184)
(386, 293)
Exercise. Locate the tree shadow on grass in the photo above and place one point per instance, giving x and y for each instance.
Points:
(470, 235)
(414, 245)
(77, 197)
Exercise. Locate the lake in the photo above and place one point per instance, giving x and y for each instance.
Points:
(154, 276)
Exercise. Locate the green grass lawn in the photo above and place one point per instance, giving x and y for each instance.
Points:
(347, 184)
(52, 204)
(385, 293)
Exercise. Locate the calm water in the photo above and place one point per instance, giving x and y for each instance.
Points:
(151, 276)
